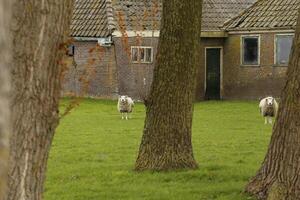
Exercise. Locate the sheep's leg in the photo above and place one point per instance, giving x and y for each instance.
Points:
(270, 120)
(266, 120)
(126, 116)
(122, 115)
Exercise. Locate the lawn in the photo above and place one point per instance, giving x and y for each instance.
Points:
(94, 151)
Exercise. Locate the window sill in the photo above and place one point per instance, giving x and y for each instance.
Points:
(141, 62)
(250, 66)
(280, 65)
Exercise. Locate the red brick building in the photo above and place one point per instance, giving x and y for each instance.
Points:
(245, 47)
(256, 51)
(92, 55)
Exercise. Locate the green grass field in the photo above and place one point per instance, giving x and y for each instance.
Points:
(94, 151)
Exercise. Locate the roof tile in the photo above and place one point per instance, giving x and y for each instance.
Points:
(267, 14)
(97, 18)
(90, 19)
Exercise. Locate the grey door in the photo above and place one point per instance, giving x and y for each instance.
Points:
(213, 75)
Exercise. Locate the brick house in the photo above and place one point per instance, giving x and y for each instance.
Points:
(244, 47)
(256, 51)
(92, 55)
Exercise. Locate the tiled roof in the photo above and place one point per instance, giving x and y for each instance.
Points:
(96, 18)
(137, 14)
(216, 12)
(90, 19)
(267, 14)
(144, 14)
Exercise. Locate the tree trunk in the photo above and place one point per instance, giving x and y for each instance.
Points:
(39, 30)
(279, 176)
(166, 142)
(5, 14)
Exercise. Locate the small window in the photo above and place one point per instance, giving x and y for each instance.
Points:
(71, 50)
(283, 46)
(148, 55)
(142, 54)
(250, 50)
(134, 54)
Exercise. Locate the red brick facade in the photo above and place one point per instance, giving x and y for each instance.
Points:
(117, 75)
(249, 82)
(98, 66)
(134, 79)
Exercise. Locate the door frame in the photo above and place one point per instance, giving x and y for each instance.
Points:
(221, 68)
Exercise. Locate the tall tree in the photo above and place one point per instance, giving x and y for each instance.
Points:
(39, 30)
(166, 142)
(5, 14)
(279, 175)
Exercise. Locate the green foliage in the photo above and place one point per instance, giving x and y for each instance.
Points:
(94, 152)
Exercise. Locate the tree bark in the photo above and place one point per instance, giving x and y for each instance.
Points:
(5, 53)
(166, 142)
(279, 176)
(39, 30)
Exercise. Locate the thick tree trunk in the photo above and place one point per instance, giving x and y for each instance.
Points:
(5, 53)
(279, 176)
(166, 142)
(39, 30)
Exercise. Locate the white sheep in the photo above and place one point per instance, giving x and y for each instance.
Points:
(268, 109)
(125, 106)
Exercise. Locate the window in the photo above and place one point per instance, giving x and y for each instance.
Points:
(142, 54)
(250, 50)
(148, 56)
(283, 46)
(71, 50)
(134, 54)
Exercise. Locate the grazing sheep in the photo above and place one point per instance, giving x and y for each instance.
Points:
(125, 105)
(268, 109)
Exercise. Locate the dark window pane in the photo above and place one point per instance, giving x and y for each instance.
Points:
(149, 55)
(142, 54)
(250, 51)
(134, 54)
(71, 50)
(283, 49)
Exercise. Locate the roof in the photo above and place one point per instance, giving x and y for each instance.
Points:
(217, 12)
(137, 14)
(267, 15)
(146, 14)
(97, 18)
(90, 18)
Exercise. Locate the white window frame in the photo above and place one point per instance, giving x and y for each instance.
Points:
(242, 50)
(139, 55)
(275, 47)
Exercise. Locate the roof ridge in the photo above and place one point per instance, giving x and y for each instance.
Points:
(110, 15)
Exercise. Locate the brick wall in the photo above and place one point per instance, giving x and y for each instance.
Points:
(247, 82)
(101, 64)
(130, 75)
(134, 79)
(116, 74)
